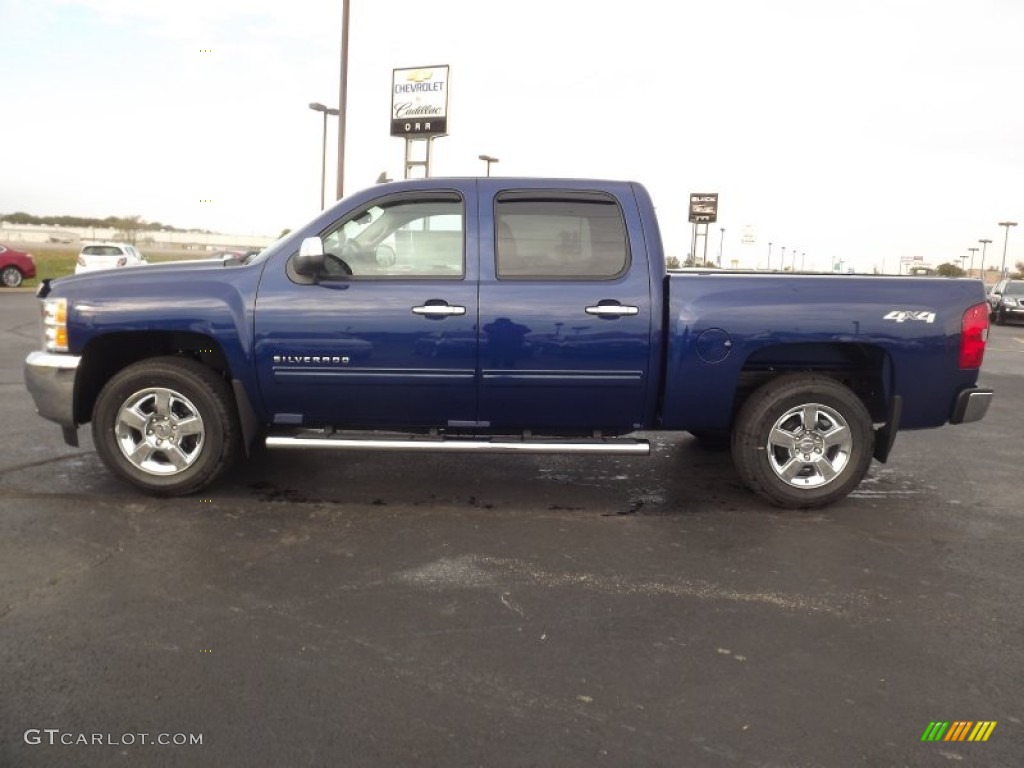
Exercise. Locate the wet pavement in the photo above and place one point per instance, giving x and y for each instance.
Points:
(332, 609)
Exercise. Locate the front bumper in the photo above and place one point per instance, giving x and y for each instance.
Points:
(971, 405)
(50, 379)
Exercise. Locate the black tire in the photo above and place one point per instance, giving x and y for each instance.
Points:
(167, 425)
(11, 277)
(791, 466)
(1000, 317)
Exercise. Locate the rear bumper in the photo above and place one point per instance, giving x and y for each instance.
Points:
(971, 405)
(50, 379)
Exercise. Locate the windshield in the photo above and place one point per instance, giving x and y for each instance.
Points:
(1014, 289)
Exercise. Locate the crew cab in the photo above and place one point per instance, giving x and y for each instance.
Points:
(502, 315)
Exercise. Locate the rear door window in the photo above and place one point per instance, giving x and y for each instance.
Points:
(565, 236)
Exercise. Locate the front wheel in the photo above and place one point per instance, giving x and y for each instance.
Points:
(802, 441)
(11, 277)
(166, 425)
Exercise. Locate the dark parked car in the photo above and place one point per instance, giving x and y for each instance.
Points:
(1006, 300)
(15, 267)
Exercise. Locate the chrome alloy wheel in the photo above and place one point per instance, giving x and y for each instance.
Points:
(159, 431)
(11, 277)
(809, 446)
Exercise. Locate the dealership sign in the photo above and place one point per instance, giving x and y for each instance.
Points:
(419, 101)
(703, 207)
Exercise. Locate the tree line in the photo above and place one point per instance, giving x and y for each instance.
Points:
(121, 223)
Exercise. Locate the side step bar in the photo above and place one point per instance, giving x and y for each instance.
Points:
(617, 446)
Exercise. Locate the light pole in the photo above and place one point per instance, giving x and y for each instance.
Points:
(316, 106)
(782, 264)
(792, 266)
(488, 159)
(343, 99)
(971, 268)
(769, 266)
(984, 245)
(721, 244)
(1006, 239)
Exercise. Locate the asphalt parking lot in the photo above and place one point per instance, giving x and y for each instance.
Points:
(341, 610)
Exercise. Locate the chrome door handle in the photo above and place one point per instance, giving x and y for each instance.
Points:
(612, 310)
(439, 310)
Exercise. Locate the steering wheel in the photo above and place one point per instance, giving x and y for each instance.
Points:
(335, 265)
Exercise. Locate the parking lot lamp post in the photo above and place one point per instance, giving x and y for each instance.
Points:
(316, 106)
(488, 159)
(343, 98)
(971, 268)
(721, 244)
(782, 264)
(1006, 239)
(769, 265)
(984, 245)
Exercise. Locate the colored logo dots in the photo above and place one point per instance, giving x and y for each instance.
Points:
(959, 730)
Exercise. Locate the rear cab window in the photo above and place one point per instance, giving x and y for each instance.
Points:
(559, 235)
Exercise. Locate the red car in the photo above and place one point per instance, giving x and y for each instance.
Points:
(15, 267)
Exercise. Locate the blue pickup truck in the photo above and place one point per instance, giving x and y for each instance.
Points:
(502, 315)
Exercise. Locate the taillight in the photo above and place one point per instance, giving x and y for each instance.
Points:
(81, 261)
(122, 261)
(973, 335)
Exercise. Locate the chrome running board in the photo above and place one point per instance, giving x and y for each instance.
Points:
(617, 446)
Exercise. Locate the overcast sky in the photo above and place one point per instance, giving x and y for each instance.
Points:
(854, 131)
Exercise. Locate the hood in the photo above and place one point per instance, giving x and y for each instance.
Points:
(111, 278)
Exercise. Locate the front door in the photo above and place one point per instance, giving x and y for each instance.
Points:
(387, 337)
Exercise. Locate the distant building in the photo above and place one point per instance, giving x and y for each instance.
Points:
(42, 233)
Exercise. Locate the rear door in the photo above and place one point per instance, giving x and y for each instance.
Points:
(565, 308)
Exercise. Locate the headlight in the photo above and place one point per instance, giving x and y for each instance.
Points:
(55, 324)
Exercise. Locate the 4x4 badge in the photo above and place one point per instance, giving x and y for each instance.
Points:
(902, 315)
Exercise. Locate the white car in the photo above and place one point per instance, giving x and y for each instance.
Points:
(94, 256)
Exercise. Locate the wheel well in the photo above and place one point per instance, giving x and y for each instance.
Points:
(864, 368)
(108, 354)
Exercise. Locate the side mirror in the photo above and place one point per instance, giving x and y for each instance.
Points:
(310, 261)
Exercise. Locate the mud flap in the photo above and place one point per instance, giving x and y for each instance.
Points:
(886, 436)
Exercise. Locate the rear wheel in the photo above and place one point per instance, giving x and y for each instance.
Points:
(166, 425)
(11, 277)
(802, 441)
